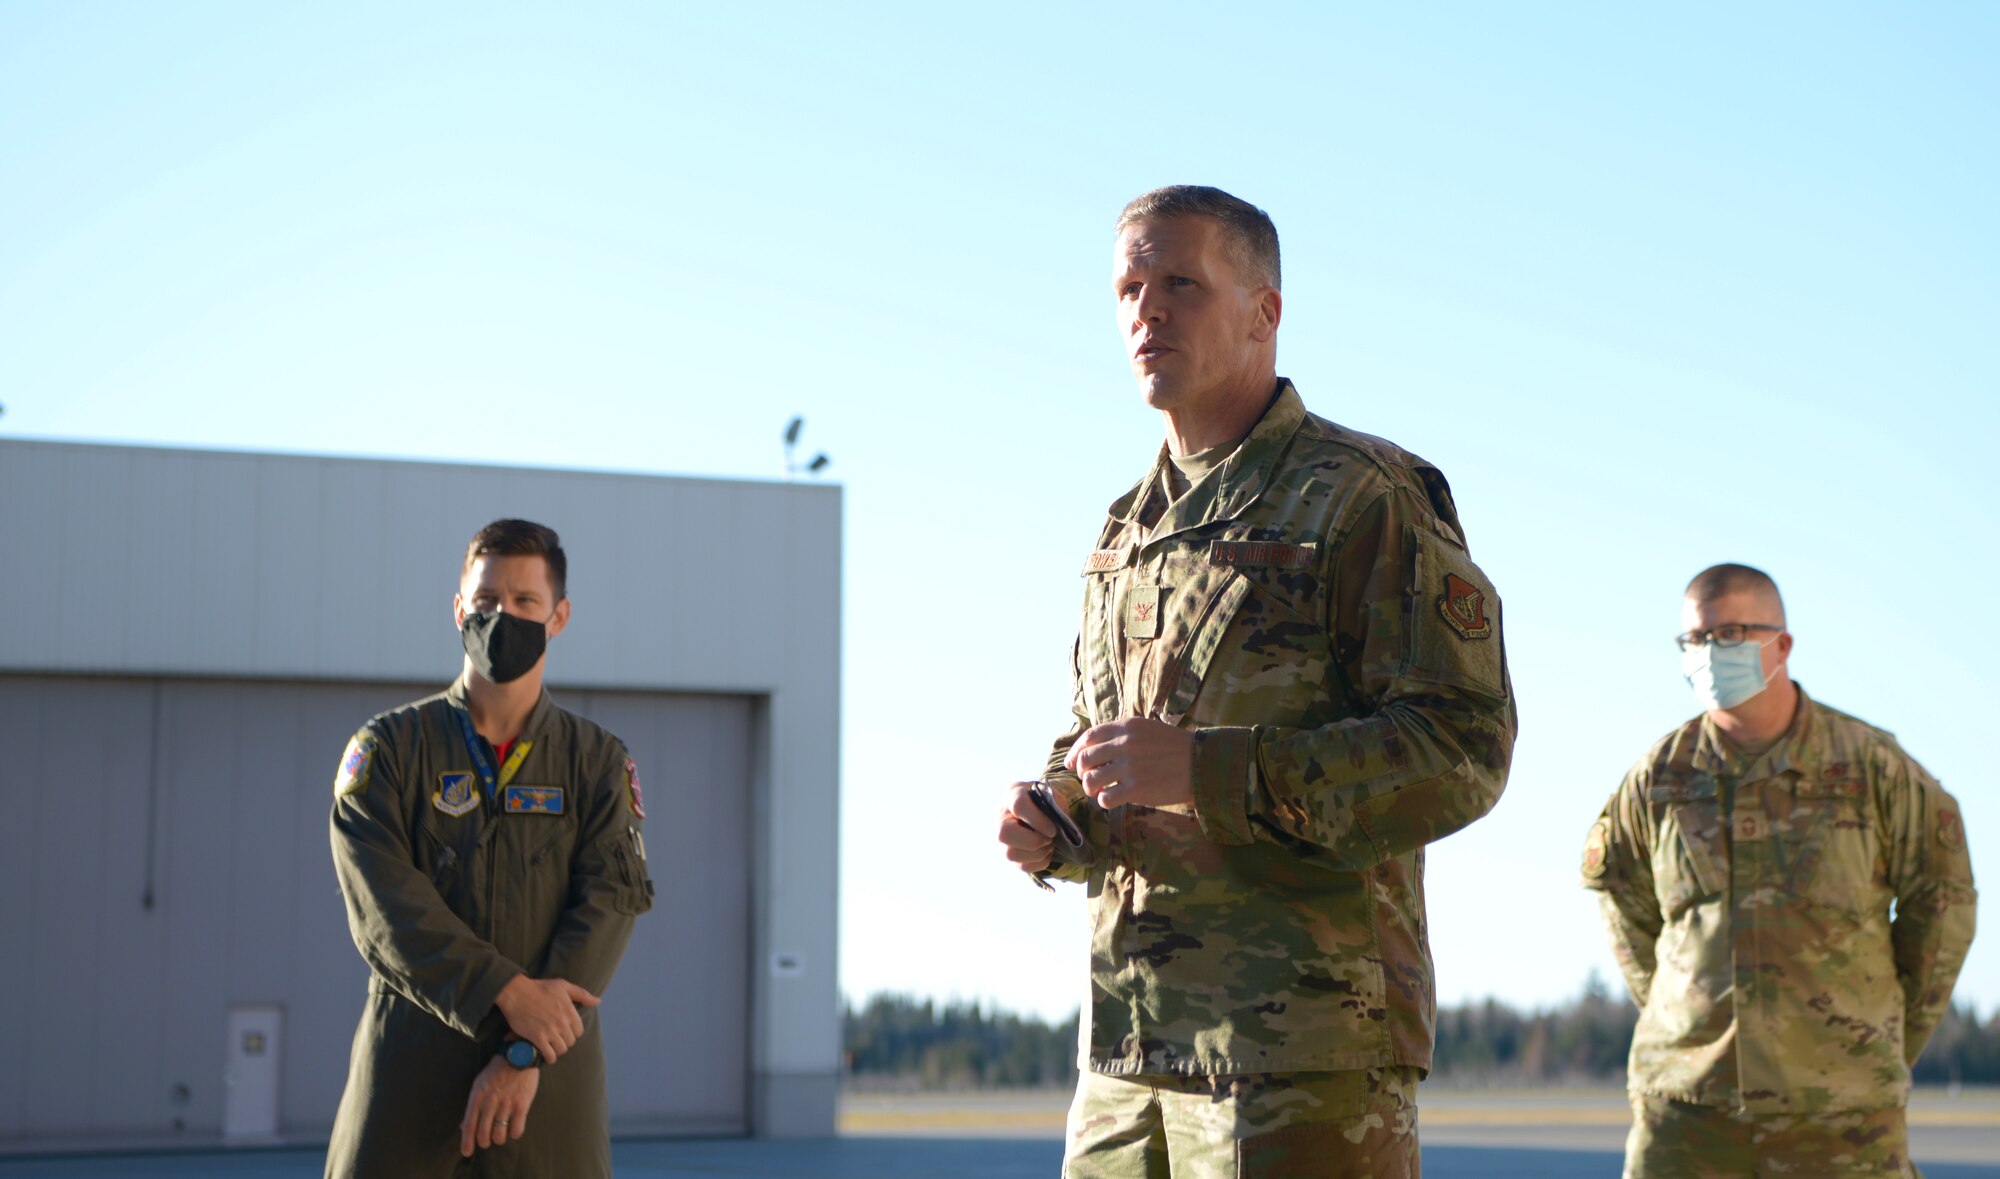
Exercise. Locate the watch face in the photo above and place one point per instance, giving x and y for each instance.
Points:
(520, 1054)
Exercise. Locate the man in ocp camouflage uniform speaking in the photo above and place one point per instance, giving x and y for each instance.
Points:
(1289, 679)
(1746, 867)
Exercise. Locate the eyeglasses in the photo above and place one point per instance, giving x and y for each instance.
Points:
(1729, 634)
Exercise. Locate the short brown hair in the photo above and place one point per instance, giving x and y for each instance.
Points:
(1247, 231)
(521, 538)
(1728, 578)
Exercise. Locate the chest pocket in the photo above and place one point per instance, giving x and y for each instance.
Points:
(1690, 857)
(1181, 679)
(1836, 850)
(1102, 641)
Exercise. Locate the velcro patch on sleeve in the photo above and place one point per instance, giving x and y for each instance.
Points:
(1463, 605)
(355, 764)
(1596, 850)
(1265, 553)
(1455, 623)
(635, 797)
(1950, 829)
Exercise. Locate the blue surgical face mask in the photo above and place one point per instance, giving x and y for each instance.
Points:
(1724, 677)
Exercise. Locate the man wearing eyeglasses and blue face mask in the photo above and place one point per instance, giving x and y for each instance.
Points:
(1746, 868)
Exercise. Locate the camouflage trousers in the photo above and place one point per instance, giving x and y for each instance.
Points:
(1339, 1125)
(1675, 1140)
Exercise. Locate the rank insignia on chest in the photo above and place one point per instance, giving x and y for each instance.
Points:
(1142, 612)
(1463, 605)
(455, 794)
(532, 800)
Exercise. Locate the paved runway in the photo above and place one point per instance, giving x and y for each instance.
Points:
(843, 1158)
(1468, 1134)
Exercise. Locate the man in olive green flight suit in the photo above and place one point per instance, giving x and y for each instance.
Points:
(1289, 680)
(488, 845)
(1746, 868)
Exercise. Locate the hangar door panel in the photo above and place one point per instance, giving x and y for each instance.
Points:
(166, 855)
(677, 1031)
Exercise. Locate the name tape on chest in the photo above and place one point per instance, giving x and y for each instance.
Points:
(1264, 553)
(532, 800)
(1104, 561)
(455, 794)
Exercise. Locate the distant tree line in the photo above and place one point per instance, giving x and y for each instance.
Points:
(898, 1041)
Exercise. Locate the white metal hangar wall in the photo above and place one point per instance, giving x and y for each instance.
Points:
(188, 638)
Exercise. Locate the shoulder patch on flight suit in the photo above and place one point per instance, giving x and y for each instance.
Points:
(355, 763)
(633, 795)
(1596, 849)
(1950, 831)
(455, 795)
(532, 800)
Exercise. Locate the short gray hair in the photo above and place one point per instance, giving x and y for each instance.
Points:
(1728, 578)
(1247, 231)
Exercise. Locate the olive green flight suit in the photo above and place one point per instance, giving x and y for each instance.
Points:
(452, 893)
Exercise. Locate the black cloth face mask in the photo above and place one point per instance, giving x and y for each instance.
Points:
(503, 646)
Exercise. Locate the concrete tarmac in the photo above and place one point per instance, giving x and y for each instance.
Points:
(842, 1158)
(1467, 1134)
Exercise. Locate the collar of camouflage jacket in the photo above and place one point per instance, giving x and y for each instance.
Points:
(1224, 492)
(1713, 754)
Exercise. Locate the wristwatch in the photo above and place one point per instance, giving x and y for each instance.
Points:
(521, 1054)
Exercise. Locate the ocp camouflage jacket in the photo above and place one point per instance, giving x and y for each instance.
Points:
(1748, 905)
(1308, 610)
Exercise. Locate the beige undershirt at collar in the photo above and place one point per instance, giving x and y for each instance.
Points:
(1186, 470)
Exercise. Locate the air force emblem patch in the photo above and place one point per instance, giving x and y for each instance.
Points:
(455, 795)
(353, 774)
(1463, 605)
(1596, 851)
(532, 800)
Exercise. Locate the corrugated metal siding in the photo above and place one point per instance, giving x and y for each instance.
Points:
(192, 563)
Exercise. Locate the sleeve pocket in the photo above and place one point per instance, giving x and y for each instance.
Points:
(635, 889)
(1454, 626)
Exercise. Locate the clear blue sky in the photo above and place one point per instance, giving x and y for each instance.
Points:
(1655, 288)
